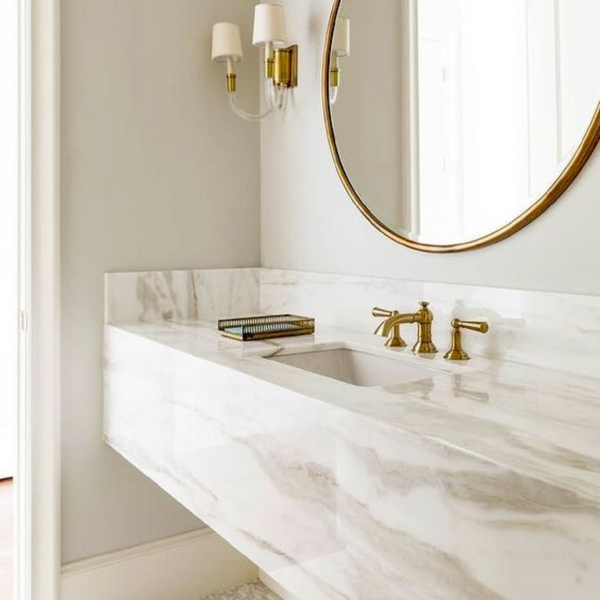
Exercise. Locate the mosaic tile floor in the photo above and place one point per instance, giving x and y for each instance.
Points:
(249, 591)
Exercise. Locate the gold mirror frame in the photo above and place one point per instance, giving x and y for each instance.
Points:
(556, 190)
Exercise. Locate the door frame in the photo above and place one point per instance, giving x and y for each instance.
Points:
(37, 543)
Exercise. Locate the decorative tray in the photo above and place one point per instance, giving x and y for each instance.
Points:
(247, 329)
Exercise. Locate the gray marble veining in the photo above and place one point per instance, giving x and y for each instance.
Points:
(170, 295)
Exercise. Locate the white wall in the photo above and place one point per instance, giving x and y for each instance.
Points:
(309, 223)
(157, 173)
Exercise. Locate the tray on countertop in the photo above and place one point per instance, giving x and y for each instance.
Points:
(246, 329)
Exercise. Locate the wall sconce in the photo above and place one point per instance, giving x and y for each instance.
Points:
(281, 62)
(340, 48)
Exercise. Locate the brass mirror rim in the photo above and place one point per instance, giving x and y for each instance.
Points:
(557, 189)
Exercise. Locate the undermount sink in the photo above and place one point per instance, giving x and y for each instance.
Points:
(357, 367)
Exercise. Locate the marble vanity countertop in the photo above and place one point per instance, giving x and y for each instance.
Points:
(468, 481)
(538, 423)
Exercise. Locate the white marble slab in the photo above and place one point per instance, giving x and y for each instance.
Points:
(481, 482)
(555, 331)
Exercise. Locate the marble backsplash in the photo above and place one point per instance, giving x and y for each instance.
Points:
(550, 330)
(180, 295)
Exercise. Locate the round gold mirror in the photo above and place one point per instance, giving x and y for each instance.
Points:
(455, 123)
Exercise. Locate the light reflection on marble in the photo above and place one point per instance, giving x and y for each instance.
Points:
(480, 482)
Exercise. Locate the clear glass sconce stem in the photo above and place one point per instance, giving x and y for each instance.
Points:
(279, 76)
(275, 99)
(334, 78)
(333, 94)
(246, 115)
(276, 96)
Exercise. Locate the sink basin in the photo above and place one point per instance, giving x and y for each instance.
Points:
(356, 367)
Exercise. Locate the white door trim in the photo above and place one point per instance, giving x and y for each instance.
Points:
(38, 460)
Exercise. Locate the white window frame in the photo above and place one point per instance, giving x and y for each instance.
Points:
(37, 546)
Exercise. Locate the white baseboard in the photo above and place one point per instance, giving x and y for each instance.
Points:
(184, 567)
(275, 587)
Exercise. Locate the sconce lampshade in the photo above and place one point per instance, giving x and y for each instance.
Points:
(226, 42)
(341, 37)
(269, 25)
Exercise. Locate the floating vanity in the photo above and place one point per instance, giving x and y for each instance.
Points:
(349, 471)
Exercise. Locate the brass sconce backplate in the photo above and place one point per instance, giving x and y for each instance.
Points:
(285, 69)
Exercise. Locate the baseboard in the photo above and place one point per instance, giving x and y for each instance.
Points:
(275, 587)
(184, 567)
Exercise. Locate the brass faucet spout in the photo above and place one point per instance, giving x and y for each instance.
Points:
(390, 328)
(400, 319)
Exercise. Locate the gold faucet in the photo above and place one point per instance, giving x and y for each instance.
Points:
(390, 328)
(394, 339)
(456, 352)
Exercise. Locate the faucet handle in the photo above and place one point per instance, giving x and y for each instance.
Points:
(456, 352)
(478, 326)
(382, 312)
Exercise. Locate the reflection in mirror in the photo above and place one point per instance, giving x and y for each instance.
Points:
(340, 48)
(453, 117)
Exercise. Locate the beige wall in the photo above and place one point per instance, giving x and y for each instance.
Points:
(309, 223)
(157, 173)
